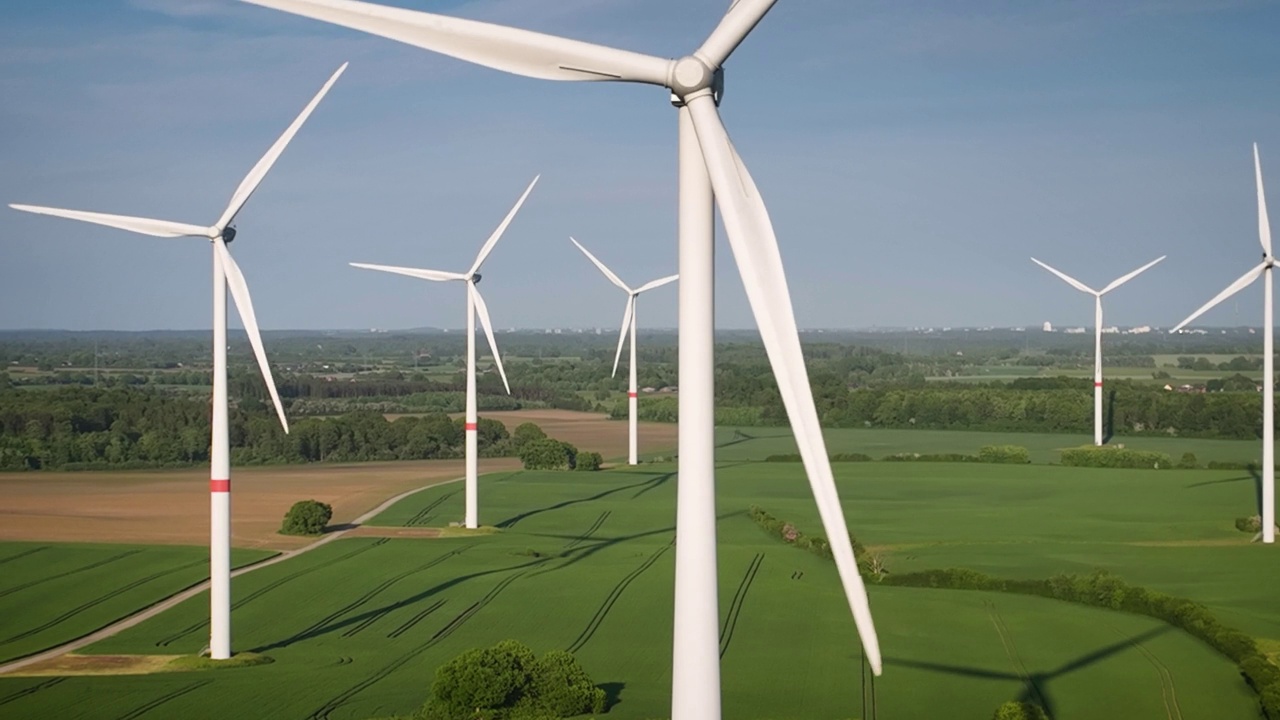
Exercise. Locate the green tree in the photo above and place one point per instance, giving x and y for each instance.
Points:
(525, 433)
(307, 517)
(548, 454)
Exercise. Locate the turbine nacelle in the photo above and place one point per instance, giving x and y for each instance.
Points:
(228, 234)
(475, 278)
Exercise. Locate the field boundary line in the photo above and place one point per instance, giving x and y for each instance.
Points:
(182, 596)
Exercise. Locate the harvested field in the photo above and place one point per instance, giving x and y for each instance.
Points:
(172, 507)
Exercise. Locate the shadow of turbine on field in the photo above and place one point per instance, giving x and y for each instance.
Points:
(1109, 424)
(1034, 685)
(651, 482)
(1254, 474)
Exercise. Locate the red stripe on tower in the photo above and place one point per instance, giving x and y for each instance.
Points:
(1097, 383)
(631, 394)
(219, 486)
(470, 427)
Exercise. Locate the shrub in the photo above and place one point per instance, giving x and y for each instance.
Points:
(930, 457)
(548, 454)
(307, 517)
(850, 457)
(1249, 524)
(1232, 465)
(508, 682)
(1188, 462)
(1011, 454)
(525, 433)
(589, 461)
(1114, 457)
(1014, 710)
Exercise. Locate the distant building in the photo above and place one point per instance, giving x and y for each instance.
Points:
(1048, 326)
(1141, 330)
(1113, 330)
(1074, 331)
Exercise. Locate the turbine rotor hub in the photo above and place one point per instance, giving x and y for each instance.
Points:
(228, 234)
(691, 74)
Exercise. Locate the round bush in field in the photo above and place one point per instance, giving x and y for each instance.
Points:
(1013, 710)
(307, 517)
(548, 454)
(508, 682)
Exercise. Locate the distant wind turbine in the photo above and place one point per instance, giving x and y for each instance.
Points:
(1097, 332)
(1263, 269)
(628, 323)
(226, 275)
(475, 304)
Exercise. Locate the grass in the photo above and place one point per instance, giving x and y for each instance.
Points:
(52, 593)
(757, 443)
(585, 562)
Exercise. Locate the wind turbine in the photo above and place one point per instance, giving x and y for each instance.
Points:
(1097, 332)
(1263, 269)
(226, 276)
(475, 304)
(708, 163)
(628, 323)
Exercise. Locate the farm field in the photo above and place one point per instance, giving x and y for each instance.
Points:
(172, 506)
(53, 593)
(584, 562)
(757, 443)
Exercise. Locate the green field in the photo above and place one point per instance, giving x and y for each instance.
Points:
(584, 562)
(757, 443)
(52, 593)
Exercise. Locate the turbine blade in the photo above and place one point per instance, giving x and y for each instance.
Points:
(737, 23)
(259, 171)
(628, 316)
(497, 234)
(1264, 225)
(657, 283)
(483, 311)
(436, 275)
(1243, 282)
(240, 293)
(755, 248)
(1126, 278)
(601, 266)
(1070, 280)
(145, 226)
(502, 48)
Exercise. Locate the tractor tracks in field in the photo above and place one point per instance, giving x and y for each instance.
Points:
(173, 695)
(73, 571)
(603, 611)
(95, 602)
(595, 527)
(24, 553)
(167, 641)
(32, 690)
(1168, 694)
(324, 711)
(735, 606)
(180, 597)
(1010, 649)
(424, 515)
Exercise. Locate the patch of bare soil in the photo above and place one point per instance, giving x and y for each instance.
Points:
(71, 665)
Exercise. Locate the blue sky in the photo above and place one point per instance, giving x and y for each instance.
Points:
(913, 154)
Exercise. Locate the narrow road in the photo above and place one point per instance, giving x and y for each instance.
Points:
(172, 600)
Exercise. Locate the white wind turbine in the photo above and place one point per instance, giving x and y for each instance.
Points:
(1263, 269)
(628, 323)
(226, 275)
(475, 304)
(708, 163)
(1097, 332)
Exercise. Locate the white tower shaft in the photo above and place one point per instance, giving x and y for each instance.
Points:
(1097, 371)
(1268, 416)
(695, 664)
(632, 420)
(219, 480)
(473, 460)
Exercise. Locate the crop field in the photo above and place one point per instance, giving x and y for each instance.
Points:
(54, 593)
(584, 562)
(757, 443)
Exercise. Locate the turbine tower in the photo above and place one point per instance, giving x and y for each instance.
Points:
(475, 305)
(628, 323)
(226, 276)
(1097, 332)
(1263, 269)
(710, 173)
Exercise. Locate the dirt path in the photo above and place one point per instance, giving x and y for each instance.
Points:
(194, 590)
